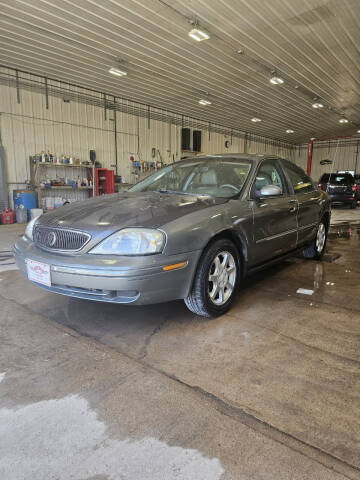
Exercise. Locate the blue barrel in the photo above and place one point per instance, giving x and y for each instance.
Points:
(26, 198)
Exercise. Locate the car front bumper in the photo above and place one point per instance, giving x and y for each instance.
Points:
(114, 279)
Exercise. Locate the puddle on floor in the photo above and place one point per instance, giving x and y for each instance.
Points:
(63, 438)
(344, 230)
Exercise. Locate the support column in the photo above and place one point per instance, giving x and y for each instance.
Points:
(309, 156)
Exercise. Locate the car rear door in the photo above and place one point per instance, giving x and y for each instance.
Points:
(309, 201)
(275, 218)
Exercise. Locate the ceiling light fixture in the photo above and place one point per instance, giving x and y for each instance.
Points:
(117, 71)
(255, 119)
(343, 120)
(198, 35)
(317, 105)
(275, 80)
(289, 130)
(358, 131)
(204, 102)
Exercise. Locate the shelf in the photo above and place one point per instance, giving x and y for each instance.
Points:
(49, 164)
(192, 151)
(64, 187)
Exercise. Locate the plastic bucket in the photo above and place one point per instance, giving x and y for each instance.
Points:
(21, 215)
(35, 212)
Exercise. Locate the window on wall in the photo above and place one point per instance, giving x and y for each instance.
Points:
(299, 180)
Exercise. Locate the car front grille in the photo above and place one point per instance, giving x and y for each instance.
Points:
(59, 238)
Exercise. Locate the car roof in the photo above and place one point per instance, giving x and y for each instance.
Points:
(257, 157)
(337, 174)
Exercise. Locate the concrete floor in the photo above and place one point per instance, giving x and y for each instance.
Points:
(269, 391)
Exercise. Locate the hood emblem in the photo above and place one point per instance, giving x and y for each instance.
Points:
(51, 239)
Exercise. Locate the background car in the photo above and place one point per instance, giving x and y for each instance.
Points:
(190, 231)
(341, 188)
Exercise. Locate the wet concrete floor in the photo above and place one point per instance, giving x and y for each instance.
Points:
(269, 391)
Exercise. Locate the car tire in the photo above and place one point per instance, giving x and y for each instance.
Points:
(317, 247)
(216, 280)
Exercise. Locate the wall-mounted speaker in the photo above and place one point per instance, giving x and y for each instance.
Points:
(185, 139)
(197, 140)
(92, 156)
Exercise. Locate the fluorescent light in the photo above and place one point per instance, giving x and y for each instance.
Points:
(317, 105)
(256, 119)
(204, 102)
(276, 80)
(343, 120)
(289, 130)
(198, 35)
(117, 71)
(358, 131)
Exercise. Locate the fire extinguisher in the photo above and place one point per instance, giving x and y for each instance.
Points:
(7, 216)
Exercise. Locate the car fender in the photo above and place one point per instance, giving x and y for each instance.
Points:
(195, 231)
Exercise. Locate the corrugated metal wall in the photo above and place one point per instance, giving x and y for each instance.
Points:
(74, 128)
(64, 128)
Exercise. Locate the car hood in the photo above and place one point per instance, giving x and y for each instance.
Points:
(112, 212)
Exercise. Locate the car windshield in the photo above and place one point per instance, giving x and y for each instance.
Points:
(215, 177)
(337, 178)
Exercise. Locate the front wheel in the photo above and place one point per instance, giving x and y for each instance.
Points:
(216, 280)
(317, 248)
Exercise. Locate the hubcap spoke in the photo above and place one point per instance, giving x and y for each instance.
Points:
(221, 295)
(214, 291)
(217, 264)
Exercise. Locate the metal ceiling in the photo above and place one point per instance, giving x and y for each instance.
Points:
(312, 44)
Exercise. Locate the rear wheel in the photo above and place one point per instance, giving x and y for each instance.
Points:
(216, 280)
(317, 248)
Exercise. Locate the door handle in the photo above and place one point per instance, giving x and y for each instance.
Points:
(293, 207)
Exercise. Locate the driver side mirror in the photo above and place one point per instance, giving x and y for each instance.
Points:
(270, 191)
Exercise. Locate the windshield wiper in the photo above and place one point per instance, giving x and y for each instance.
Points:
(176, 192)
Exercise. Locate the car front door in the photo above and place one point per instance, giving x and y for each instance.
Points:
(275, 217)
(309, 201)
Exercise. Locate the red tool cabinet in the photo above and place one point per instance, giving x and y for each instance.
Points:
(104, 181)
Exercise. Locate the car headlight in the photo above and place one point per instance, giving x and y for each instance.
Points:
(30, 229)
(131, 241)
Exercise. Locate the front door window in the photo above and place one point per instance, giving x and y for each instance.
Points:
(268, 174)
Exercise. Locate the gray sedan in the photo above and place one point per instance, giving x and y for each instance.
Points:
(190, 231)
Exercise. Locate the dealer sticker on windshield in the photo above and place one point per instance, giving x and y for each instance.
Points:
(38, 272)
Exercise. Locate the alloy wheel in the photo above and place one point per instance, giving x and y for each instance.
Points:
(320, 238)
(222, 278)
